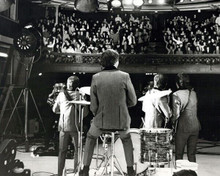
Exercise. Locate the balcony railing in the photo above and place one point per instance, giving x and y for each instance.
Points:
(130, 59)
(137, 63)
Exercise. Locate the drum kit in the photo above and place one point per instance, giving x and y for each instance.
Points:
(151, 147)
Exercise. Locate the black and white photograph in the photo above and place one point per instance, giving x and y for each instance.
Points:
(109, 87)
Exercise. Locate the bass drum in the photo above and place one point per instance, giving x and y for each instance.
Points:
(119, 152)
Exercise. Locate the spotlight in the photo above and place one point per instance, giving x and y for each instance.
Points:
(28, 41)
(138, 3)
(116, 3)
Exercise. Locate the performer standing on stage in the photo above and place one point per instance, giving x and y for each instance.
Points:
(67, 122)
(111, 94)
(156, 104)
(185, 120)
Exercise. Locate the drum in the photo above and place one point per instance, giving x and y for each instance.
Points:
(156, 145)
(119, 152)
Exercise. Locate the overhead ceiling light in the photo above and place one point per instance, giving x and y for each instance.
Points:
(150, 1)
(127, 2)
(161, 1)
(138, 3)
(116, 3)
(3, 54)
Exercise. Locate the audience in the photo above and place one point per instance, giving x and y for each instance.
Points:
(129, 34)
(185, 35)
(122, 32)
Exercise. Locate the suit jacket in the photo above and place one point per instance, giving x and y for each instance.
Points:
(67, 111)
(185, 111)
(111, 94)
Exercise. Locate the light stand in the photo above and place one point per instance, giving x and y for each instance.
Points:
(25, 91)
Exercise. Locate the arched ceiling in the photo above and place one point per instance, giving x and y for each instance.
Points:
(170, 5)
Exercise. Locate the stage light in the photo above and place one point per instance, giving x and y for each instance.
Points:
(127, 2)
(3, 54)
(161, 1)
(28, 41)
(138, 3)
(116, 3)
(86, 6)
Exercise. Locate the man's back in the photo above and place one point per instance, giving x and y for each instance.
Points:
(111, 94)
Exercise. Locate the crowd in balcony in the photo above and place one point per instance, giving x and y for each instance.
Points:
(185, 35)
(129, 33)
(126, 33)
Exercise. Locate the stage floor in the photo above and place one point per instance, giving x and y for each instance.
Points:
(208, 159)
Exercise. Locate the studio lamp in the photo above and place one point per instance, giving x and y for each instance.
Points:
(28, 44)
(28, 41)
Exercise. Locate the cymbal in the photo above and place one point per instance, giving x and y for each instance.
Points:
(85, 90)
(80, 102)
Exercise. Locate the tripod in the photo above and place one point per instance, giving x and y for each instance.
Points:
(25, 92)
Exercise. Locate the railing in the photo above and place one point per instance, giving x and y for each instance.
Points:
(131, 59)
(132, 63)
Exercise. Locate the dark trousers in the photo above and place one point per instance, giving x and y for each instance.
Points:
(63, 144)
(95, 132)
(186, 139)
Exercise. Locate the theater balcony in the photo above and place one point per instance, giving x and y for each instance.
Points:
(132, 63)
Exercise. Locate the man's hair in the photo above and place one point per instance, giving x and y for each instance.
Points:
(160, 81)
(75, 81)
(183, 81)
(109, 57)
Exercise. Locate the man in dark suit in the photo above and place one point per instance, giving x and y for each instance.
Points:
(111, 94)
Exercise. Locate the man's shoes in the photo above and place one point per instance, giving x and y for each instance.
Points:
(131, 171)
(81, 173)
(84, 172)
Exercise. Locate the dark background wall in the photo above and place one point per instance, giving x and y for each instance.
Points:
(206, 86)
